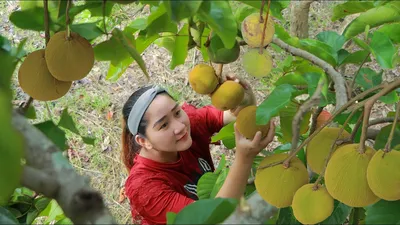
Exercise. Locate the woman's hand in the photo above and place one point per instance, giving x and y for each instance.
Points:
(249, 98)
(248, 149)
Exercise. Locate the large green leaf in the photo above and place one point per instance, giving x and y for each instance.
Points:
(383, 49)
(276, 7)
(286, 217)
(270, 107)
(374, 17)
(368, 78)
(357, 57)
(332, 38)
(382, 137)
(227, 131)
(89, 31)
(67, 122)
(383, 212)
(219, 182)
(6, 217)
(118, 68)
(339, 214)
(219, 17)
(390, 98)
(392, 31)
(319, 49)
(54, 133)
(206, 184)
(110, 50)
(286, 118)
(29, 19)
(181, 47)
(206, 211)
(313, 79)
(293, 78)
(350, 7)
(180, 9)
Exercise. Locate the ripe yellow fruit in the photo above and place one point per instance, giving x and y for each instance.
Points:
(256, 64)
(383, 175)
(202, 79)
(346, 176)
(246, 123)
(277, 185)
(36, 80)
(312, 206)
(69, 59)
(228, 96)
(318, 148)
(252, 30)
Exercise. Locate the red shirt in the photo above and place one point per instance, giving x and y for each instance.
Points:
(155, 188)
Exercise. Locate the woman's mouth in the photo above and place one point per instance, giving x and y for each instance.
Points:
(183, 137)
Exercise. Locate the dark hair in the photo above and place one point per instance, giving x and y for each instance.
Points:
(129, 146)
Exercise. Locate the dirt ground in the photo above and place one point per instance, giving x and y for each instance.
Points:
(95, 103)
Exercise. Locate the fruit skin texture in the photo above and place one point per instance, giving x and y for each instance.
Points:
(219, 54)
(383, 175)
(277, 185)
(252, 30)
(246, 123)
(202, 79)
(318, 148)
(322, 118)
(256, 64)
(346, 176)
(312, 207)
(36, 80)
(228, 96)
(69, 60)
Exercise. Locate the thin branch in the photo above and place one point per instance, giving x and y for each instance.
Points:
(356, 127)
(381, 120)
(296, 123)
(104, 17)
(340, 88)
(81, 203)
(265, 27)
(262, 11)
(67, 19)
(315, 119)
(368, 107)
(355, 76)
(396, 117)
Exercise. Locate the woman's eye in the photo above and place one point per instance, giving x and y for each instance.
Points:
(178, 112)
(163, 126)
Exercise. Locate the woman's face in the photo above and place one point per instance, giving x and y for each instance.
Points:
(168, 126)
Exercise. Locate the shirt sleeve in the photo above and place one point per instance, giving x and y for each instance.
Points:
(209, 117)
(154, 199)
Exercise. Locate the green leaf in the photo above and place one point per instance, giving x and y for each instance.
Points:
(30, 113)
(218, 15)
(332, 38)
(368, 78)
(383, 212)
(6, 217)
(229, 142)
(294, 78)
(313, 79)
(391, 30)
(374, 17)
(139, 24)
(383, 49)
(221, 164)
(219, 182)
(319, 49)
(120, 36)
(98, 11)
(67, 122)
(271, 106)
(64, 221)
(390, 98)
(167, 43)
(31, 215)
(161, 24)
(180, 9)
(41, 203)
(206, 211)
(118, 68)
(282, 34)
(276, 7)
(351, 7)
(110, 50)
(171, 217)
(181, 47)
(206, 184)
(286, 117)
(355, 58)
(242, 12)
(54, 133)
(89, 31)
(382, 137)
(52, 211)
(226, 131)
(362, 44)
(29, 19)
(339, 214)
(286, 217)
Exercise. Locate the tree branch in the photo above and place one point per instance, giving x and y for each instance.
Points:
(81, 203)
(381, 120)
(340, 87)
(315, 119)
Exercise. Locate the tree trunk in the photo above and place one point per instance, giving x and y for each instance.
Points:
(299, 18)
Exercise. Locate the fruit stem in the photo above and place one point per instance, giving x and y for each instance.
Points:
(219, 72)
(262, 11)
(315, 119)
(46, 21)
(355, 129)
(104, 17)
(271, 165)
(396, 117)
(333, 147)
(265, 26)
(387, 87)
(67, 19)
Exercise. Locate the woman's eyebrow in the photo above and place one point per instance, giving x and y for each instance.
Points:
(162, 118)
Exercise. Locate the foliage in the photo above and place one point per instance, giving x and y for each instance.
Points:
(180, 26)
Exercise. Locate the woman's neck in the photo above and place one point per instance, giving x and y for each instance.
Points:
(162, 157)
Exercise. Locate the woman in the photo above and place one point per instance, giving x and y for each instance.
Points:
(166, 151)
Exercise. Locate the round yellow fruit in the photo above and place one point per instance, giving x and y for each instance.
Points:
(228, 96)
(202, 79)
(252, 30)
(36, 80)
(312, 206)
(318, 148)
(346, 176)
(277, 185)
(69, 59)
(383, 175)
(256, 64)
(246, 123)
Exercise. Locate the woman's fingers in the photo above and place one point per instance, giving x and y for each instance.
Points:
(270, 135)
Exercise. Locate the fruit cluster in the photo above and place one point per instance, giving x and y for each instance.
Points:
(47, 74)
(355, 178)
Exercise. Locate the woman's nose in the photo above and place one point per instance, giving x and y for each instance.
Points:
(179, 127)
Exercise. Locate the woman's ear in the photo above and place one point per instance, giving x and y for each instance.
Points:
(142, 141)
